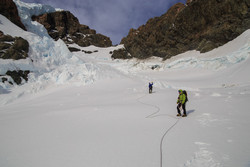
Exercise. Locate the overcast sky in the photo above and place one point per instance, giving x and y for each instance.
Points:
(112, 18)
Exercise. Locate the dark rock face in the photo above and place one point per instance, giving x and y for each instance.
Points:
(121, 54)
(13, 48)
(17, 76)
(199, 25)
(8, 9)
(66, 26)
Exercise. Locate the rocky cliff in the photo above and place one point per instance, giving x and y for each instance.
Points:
(8, 9)
(65, 25)
(59, 25)
(13, 47)
(198, 25)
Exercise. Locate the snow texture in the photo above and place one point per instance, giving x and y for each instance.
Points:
(82, 109)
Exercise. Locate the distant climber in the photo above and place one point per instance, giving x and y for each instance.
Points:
(182, 99)
(150, 86)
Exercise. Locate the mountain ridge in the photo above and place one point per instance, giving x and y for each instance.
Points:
(59, 24)
(64, 25)
(198, 25)
(160, 36)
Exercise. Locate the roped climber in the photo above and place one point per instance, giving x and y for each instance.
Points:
(181, 103)
(150, 86)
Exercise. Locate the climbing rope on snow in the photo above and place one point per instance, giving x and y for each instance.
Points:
(161, 150)
(153, 115)
(151, 105)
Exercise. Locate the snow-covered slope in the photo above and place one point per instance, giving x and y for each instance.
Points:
(49, 61)
(89, 110)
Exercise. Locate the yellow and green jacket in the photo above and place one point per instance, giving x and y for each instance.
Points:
(181, 98)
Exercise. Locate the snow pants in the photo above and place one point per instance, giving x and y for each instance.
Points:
(183, 106)
(150, 90)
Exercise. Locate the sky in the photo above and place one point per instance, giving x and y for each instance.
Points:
(112, 18)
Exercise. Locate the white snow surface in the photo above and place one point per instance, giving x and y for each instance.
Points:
(89, 110)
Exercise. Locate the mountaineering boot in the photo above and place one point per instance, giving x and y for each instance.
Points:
(184, 115)
(178, 115)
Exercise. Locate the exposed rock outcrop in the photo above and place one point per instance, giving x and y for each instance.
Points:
(199, 25)
(64, 25)
(16, 76)
(121, 54)
(13, 48)
(8, 9)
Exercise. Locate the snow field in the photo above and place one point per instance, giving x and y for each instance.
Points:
(83, 129)
(112, 124)
(89, 110)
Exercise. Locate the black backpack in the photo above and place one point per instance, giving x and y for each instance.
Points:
(185, 93)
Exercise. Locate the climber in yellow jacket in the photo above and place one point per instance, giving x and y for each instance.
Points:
(182, 99)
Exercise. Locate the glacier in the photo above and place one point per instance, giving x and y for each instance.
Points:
(82, 109)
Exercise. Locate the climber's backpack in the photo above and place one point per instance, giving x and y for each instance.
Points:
(185, 93)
